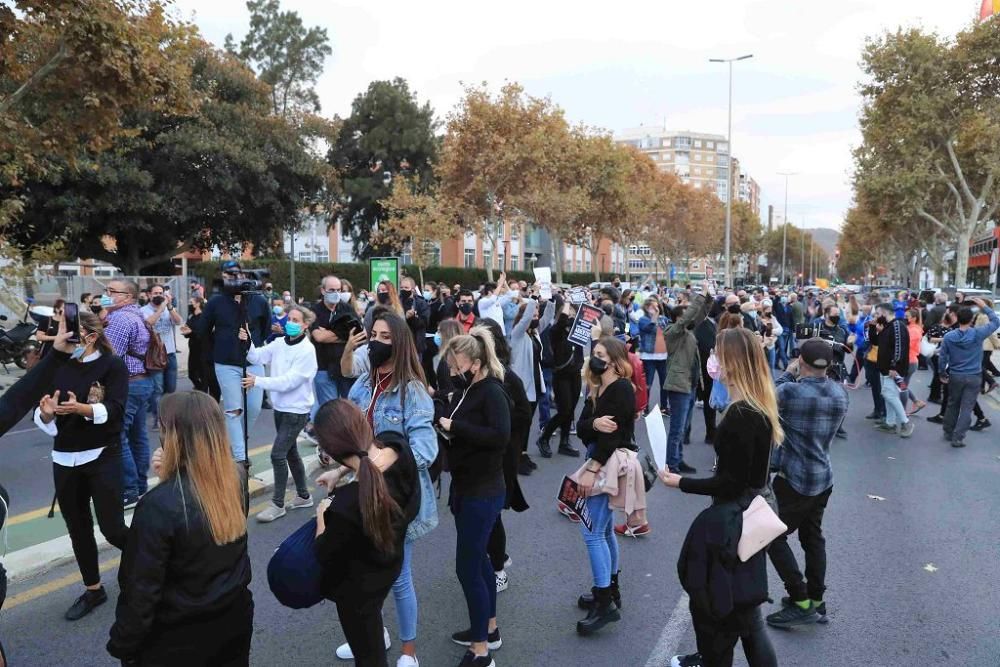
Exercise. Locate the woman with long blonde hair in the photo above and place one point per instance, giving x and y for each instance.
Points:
(185, 572)
(386, 296)
(750, 428)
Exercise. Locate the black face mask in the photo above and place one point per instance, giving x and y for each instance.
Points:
(143, 301)
(734, 309)
(158, 300)
(405, 294)
(533, 324)
(465, 308)
(96, 309)
(834, 319)
(598, 366)
(383, 298)
(881, 319)
(378, 353)
(767, 313)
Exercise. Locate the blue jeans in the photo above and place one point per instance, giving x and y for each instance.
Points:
(602, 545)
(784, 347)
(230, 382)
(895, 413)
(164, 382)
(544, 400)
(135, 443)
(681, 407)
(406, 598)
(328, 389)
(650, 368)
(474, 519)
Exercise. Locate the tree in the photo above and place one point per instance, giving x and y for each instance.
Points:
(71, 69)
(230, 175)
(285, 54)
(494, 149)
(687, 224)
(931, 131)
(388, 135)
(420, 220)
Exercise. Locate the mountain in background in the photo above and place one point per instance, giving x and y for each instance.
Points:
(826, 238)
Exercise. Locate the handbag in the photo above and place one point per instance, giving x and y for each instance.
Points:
(294, 574)
(927, 348)
(761, 526)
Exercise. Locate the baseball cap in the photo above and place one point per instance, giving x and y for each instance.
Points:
(817, 353)
(229, 266)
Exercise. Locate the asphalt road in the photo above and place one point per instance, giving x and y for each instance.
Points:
(912, 578)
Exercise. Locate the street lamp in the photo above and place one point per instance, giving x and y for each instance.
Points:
(784, 236)
(729, 140)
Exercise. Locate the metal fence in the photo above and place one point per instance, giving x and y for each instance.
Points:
(44, 290)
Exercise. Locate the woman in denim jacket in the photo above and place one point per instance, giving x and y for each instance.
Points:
(393, 394)
(653, 346)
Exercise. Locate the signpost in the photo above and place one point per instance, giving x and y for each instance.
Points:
(383, 268)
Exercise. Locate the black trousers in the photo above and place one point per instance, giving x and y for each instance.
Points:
(496, 548)
(704, 392)
(805, 514)
(100, 481)
(220, 641)
(566, 387)
(717, 639)
(935, 386)
(363, 629)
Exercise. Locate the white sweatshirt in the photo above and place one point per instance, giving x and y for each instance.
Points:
(293, 368)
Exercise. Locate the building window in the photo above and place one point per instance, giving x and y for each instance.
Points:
(500, 260)
(682, 142)
(697, 171)
(722, 148)
(710, 144)
(644, 250)
(470, 258)
(588, 269)
(697, 143)
(487, 258)
(515, 264)
(683, 158)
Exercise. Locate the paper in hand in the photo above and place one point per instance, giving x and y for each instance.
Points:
(657, 435)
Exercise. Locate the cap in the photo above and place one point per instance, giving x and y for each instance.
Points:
(229, 266)
(817, 353)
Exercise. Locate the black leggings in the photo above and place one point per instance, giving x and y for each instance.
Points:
(363, 629)
(566, 386)
(100, 481)
(717, 639)
(496, 548)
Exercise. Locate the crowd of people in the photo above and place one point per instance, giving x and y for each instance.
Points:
(414, 385)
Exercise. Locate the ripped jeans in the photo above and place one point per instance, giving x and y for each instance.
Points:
(230, 378)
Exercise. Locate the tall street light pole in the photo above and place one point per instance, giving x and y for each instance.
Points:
(729, 185)
(784, 236)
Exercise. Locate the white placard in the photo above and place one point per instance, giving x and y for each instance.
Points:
(657, 435)
(543, 276)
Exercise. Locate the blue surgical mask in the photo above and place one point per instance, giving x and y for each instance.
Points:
(332, 298)
(784, 299)
(107, 301)
(278, 311)
(77, 354)
(293, 329)
(427, 295)
(437, 339)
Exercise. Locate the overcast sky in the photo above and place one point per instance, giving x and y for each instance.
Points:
(618, 65)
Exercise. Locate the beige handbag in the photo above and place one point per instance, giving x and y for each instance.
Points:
(761, 526)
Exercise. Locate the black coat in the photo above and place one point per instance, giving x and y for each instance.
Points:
(417, 323)
(520, 430)
(24, 395)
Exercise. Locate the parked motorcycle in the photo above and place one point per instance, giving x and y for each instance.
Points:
(16, 343)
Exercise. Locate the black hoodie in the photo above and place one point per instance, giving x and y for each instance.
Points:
(480, 433)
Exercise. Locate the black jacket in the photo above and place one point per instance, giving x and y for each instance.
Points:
(567, 358)
(221, 322)
(172, 571)
(520, 431)
(417, 323)
(480, 434)
(354, 571)
(894, 348)
(24, 395)
(440, 310)
(617, 401)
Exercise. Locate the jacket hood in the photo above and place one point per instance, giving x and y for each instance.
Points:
(964, 339)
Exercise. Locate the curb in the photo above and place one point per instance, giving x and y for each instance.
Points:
(42, 558)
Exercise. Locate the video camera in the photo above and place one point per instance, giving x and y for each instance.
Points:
(251, 282)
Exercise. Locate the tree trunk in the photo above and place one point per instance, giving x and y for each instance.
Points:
(556, 249)
(962, 257)
(491, 234)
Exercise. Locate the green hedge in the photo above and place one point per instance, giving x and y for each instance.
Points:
(309, 274)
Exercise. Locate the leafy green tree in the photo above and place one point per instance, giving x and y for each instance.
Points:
(388, 135)
(286, 55)
(230, 175)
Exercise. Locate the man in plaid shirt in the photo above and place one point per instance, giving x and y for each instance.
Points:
(812, 409)
(126, 331)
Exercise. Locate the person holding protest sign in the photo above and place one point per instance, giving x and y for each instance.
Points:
(566, 382)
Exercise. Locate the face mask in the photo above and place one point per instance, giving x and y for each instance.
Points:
(752, 314)
(106, 301)
(143, 301)
(465, 308)
(405, 294)
(437, 340)
(881, 319)
(533, 325)
(784, 299)
(468, 376)
(734, 309)
(278, 311)
(459, 382)
(767, 313)
(835, 319)
(427, 295)
(383, 298)
(78, 353)
(378, 353)
(598, 366)
(332, 298)
(158, 300)
(293, 329)
(96, 309)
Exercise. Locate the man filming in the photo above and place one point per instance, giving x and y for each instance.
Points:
(330, 384)
(224, 315)
(162, 316)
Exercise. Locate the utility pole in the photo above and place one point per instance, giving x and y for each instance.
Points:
(784, 235)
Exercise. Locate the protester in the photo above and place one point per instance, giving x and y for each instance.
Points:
(84, 413)
(893, 364)
(386, 296)
(477, 432)
(606, 426)
(706, 333)
(936, 335)
(292, 364)
(492, 300)
(447, 330)
(416, 312)
(51, 328)
(567, 360)
(161, 315)
(330, 311)
(961, 368)
(812, 408)
(393, 393)
(653, 347)
(526, 361)
(279, 315)
(770, 331)
(786, 341)
(441, 308)
(465, 315)
(185, 573)
(683, 375)
(126, 331)
(361, 528)
(991, 344)
(196, 345)
(725, 593)
(916, 332)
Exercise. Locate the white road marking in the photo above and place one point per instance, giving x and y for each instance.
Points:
(673, 632)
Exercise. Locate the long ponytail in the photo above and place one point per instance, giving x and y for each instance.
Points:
(378, 508)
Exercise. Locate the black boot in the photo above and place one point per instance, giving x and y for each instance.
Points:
(543, 446)
(980, 425)
(586, 601)
(566, 448)
(603, 611)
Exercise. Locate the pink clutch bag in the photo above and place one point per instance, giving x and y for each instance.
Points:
(761, 526)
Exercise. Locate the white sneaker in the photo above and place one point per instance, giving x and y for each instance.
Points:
(407, 661)
(344, 650)
(271, 513)
(299, 502)
(502, 581)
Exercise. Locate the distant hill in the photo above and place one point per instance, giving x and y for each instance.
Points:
(826, 238)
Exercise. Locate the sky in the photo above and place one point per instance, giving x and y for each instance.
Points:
(619, 65)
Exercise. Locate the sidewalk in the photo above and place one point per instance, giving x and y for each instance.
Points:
(37, 544)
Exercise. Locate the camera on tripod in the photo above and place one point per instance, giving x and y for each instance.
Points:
(250, 281)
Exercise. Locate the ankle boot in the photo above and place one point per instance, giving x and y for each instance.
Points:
(543, 446)
(586, 601)
(566, 448)
(603, 611)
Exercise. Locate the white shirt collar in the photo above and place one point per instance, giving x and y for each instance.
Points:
(93, 356)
